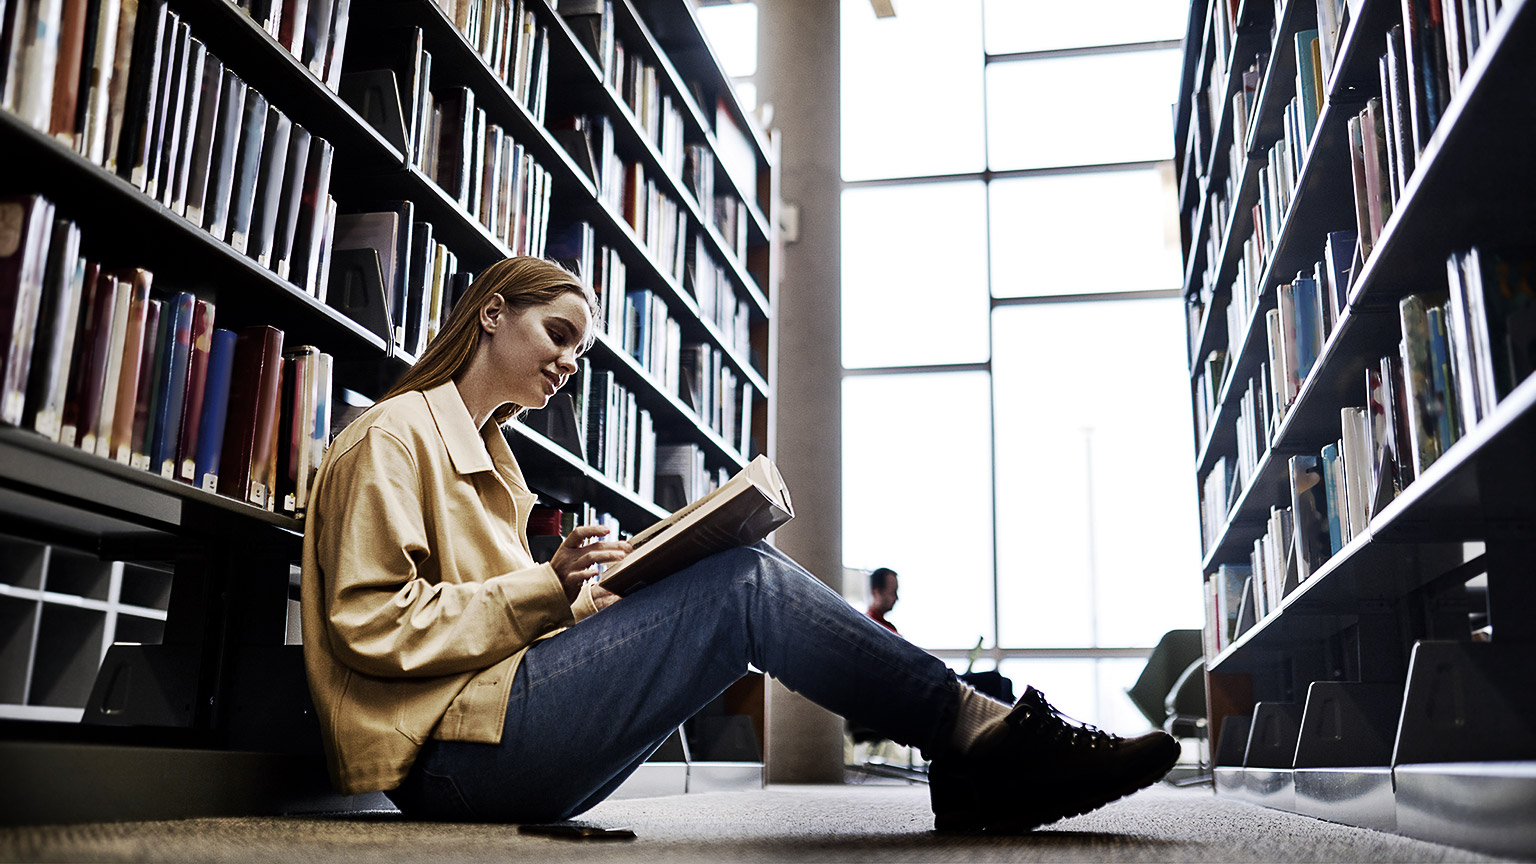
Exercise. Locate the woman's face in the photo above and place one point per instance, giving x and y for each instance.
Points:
(534, 350)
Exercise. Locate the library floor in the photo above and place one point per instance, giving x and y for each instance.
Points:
(867, 822)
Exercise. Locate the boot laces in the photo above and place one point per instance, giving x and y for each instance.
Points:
(1052, 722)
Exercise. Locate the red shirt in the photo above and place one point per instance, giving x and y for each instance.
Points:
(879, 618)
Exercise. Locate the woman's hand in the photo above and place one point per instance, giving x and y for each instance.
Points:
(579, 554)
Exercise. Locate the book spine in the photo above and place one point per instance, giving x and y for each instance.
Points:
(121, 447)
(173, 385)
(58, 325)
(144, 397)
(247, 168)
(215, 410)
(292, 196)
(54, 325)
(26, 232)
(221, 178)
(202, 149)
(97, 81)
(117, 331)
(192, 403)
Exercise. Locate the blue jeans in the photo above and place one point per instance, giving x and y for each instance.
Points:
(590, 704)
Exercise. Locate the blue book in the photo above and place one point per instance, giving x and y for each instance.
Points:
(221, 361)
(1442, 379)
(1309, 324)
(172, 385)
(1331, 487)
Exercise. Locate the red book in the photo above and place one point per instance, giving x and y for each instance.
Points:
(192, 403)
(138, 281)
(84, 338)
(66, 76)
(251, 424)
(98, 335)
(26, 230)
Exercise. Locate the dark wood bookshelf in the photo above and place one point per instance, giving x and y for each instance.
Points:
(206, 580)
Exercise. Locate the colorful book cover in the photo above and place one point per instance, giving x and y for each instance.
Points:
(1442, 379)
(1306, 85)
(139, 281)
(1334, 495)
(166, 430)
(1309, 324)
(221, 358)
(197, 381)
(1418, 384)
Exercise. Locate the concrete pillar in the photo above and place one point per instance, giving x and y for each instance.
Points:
(798, 74)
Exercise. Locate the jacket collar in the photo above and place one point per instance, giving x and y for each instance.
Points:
(470, 449)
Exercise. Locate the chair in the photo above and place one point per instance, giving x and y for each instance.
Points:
(1170, 692)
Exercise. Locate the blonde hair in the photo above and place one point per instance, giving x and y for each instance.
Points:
(523, 283)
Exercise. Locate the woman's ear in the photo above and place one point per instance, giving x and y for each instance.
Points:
(490, 312)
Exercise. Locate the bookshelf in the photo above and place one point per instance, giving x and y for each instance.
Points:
(1367, 684)
(112, 576)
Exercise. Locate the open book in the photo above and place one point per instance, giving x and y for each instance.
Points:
(742, 511)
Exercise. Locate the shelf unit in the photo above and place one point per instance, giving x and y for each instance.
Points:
(1365, 695)
(99, 553)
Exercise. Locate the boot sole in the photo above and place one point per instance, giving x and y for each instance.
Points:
(1023, 824)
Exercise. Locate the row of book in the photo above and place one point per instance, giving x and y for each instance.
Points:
(74, 68)
(450, 138)
(394, 276)
(512, 43)
(639, 323)
(313, 31)
(95, 358)
(1457, 358)
(191, 134)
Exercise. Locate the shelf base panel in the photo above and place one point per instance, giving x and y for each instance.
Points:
(1485, 806)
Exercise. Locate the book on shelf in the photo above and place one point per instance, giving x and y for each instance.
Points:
(741, 511)
(1309, 510)
(305, 419)
(98, 295)
(165, 426)
(250, 425)
(183, 466)
(26, 232)
(129, 448)
(1334, 494)
(116, 328)
(258, 116)
(120, 446)
(215, 410)
(165, 155)
(53, 347)
(66, 78)
(289, 201)
(146, 410)
(1423, 407)
(303, 265)
(270, 186)
(199, 65)
(227, 135)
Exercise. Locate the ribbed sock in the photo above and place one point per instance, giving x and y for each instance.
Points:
(976, 717)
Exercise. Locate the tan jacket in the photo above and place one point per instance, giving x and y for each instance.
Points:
(419, 592)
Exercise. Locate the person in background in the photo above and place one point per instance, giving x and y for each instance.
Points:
(469, 682)
(882, 596)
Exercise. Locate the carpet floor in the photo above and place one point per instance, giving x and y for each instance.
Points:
(880, 823)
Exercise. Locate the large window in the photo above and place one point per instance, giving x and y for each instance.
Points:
(1015, 393)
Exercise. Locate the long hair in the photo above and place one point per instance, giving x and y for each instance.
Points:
(523, 283)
